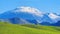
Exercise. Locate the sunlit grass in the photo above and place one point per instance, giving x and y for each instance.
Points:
(7, 28)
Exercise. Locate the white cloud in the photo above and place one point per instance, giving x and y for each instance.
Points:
(30, 10)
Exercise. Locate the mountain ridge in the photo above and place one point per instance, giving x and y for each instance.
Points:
(29, 13)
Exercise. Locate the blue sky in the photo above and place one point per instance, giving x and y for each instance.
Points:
(42, 5)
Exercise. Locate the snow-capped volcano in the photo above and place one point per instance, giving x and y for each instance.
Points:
(30, 15)
(25, 13)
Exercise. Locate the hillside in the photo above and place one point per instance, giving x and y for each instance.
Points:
(7, 28)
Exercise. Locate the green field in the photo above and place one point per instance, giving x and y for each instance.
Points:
(7, 28)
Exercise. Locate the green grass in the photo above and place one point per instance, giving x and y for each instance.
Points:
(7, 28)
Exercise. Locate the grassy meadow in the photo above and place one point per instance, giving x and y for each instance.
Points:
(8, 28)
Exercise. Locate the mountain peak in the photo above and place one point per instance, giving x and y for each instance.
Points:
(29, 10)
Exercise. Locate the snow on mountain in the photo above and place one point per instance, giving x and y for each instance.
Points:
(54, 17)
(29, 10)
